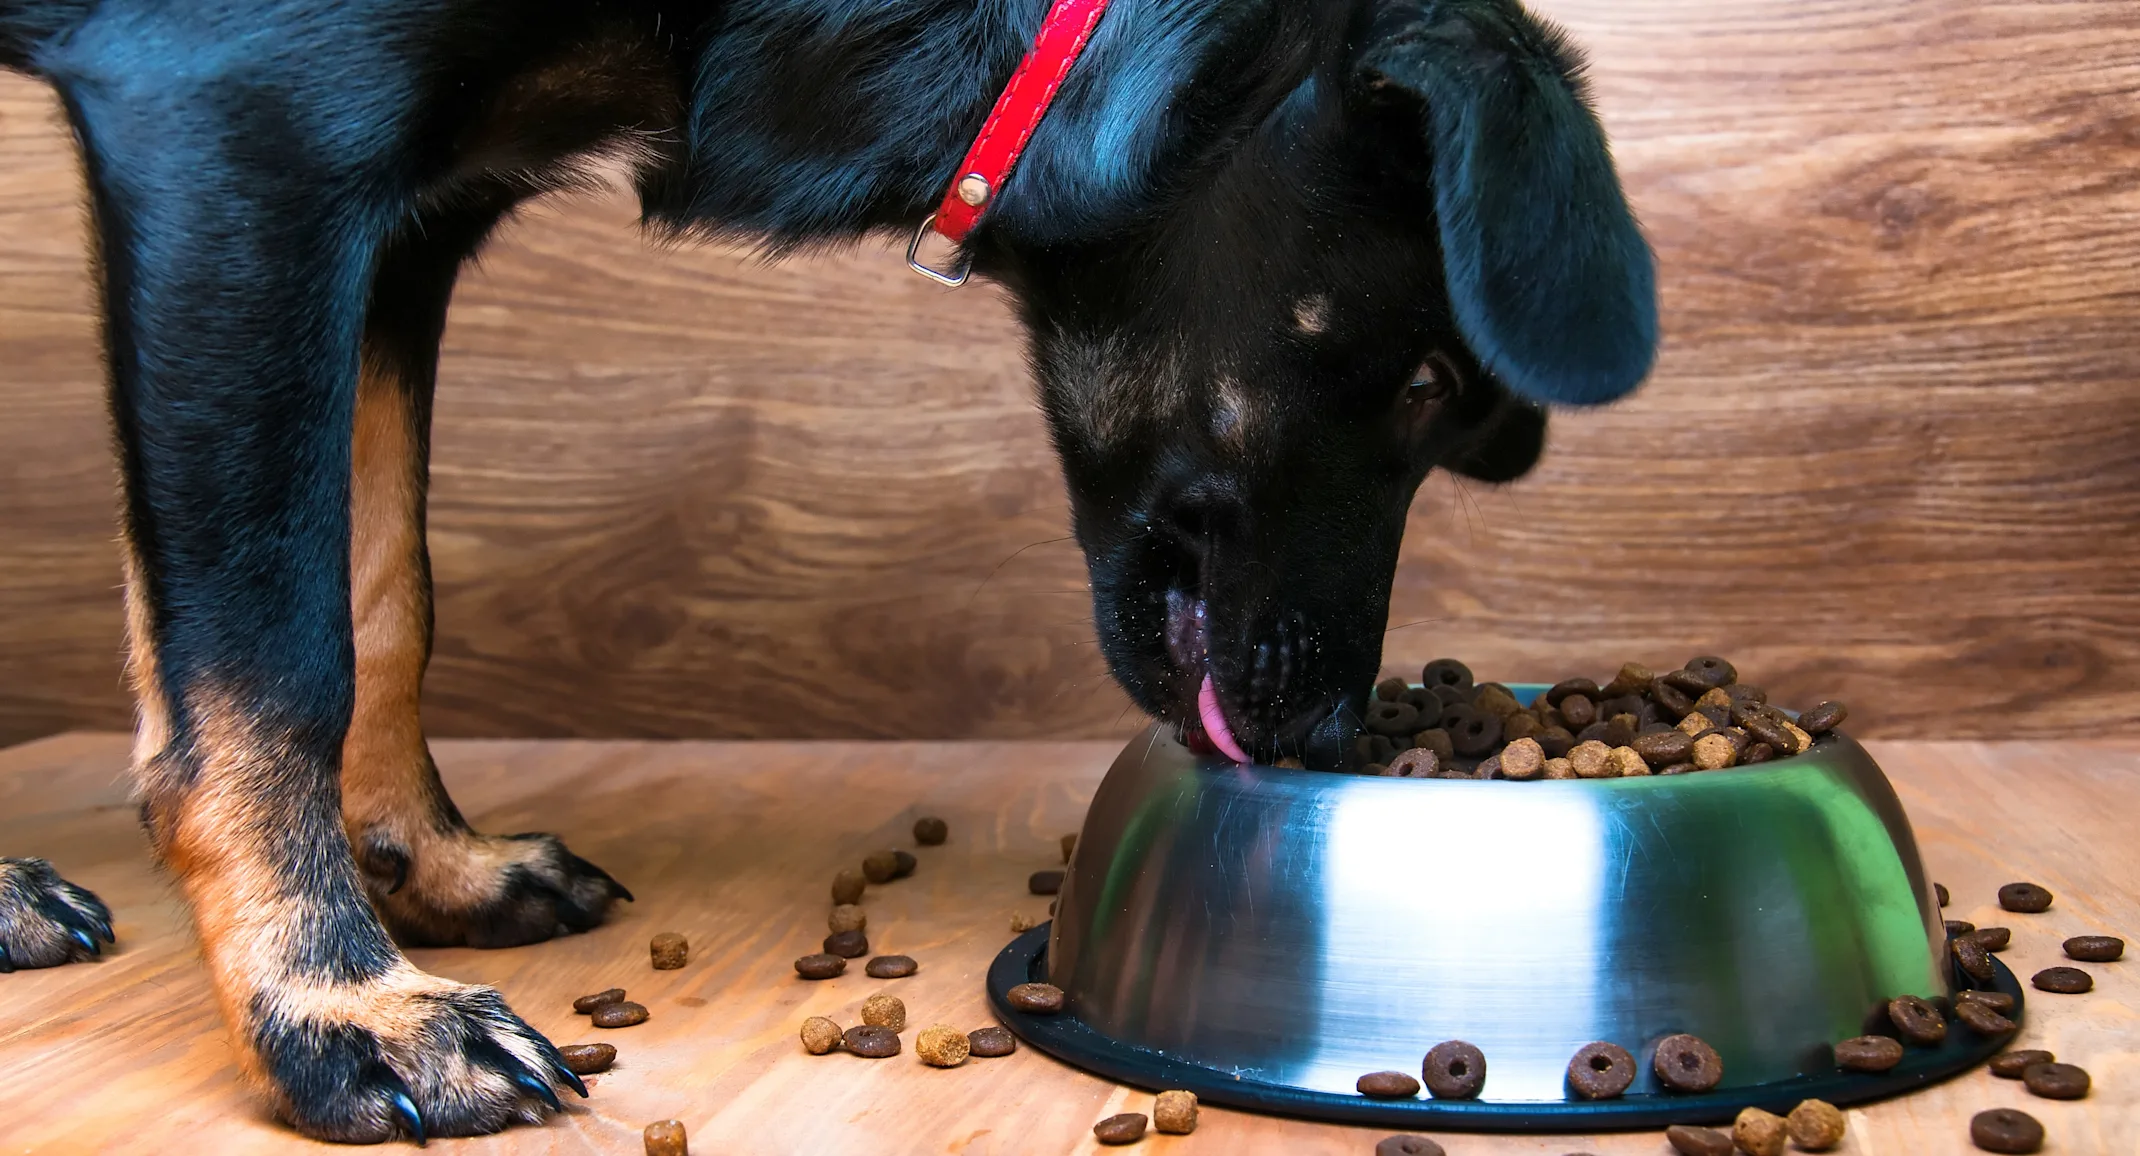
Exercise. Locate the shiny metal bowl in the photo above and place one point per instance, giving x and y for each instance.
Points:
(1297, 929)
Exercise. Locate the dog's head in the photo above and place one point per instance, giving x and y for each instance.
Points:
(1419, 246)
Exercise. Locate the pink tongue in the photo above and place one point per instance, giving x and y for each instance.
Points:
(1215, 728)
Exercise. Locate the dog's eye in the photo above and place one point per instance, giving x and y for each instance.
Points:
(1432, 381)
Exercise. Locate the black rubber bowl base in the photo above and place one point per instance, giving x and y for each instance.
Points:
(1067, 1039)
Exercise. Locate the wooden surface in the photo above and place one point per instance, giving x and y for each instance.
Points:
(735, 844)
(1891, 451)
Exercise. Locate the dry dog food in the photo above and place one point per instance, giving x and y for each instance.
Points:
(667, 1138)
(870, 1041)
(1815, 1125)
(881, 867)
(822, 965)
(890, 967)
(1040, 999)
(885, 1011)
(847, 886)
(1021, 922)
(847, 944)
(1993, 938)
(1688, 1140)
(1069, 845)
(1696, 718)
(1175, 1112)
(2005, 1130)
(930, 831)
(1409, 1146)
(1601, 1071)
(1979, 1017)
(586, 1004)
(2095, 948)
(2063, 980)
(820, 1035)
(1997, 1001)
(1970, 956)
(587, 1059)
(1917, 1020)
(1044, 882)
(1123, 1128)
(2027, 898)
(1868, 1053)
(903, 864)
(2055, 1081)
(1387, 1085)
(1685, 1063)
(847, 917)
(991, 1042)
(1940, 890)
(670, 951)
(1959, 927)
(1454, 1070)
(942, 1046)
(621, 1014)
(2010, 1065)
(1759, 1133)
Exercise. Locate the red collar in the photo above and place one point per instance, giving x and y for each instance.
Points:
(1063, 35)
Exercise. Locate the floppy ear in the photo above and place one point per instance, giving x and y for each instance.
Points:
(1550, 280)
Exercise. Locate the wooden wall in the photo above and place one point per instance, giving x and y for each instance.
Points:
(1892, 449)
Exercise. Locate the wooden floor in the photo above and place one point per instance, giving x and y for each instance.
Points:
(734, 844)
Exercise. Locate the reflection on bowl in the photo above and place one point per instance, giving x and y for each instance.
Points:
(1303, 928)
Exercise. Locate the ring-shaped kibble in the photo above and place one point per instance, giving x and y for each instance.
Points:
(1601, 1071)
(990, 1042)
(1713, 671)
(1685, 1063)
(1868, 1053)
(1454, 1070)
(1424, 701)
(2056, 1081)
(2062, 980)
(2006, 1130)
(1392, 689)
(1764, 726)
(2010, 1065)
(1387, 1085)
(1041, 999)
(1446, 672)
(820, 966)
(1917, 1020)
(1675, 701)
(2026, 898)
(1392, 718)
(2095, 948)
(1581, 686)
(1739, 692)
(1993, 938)
(1981, 1019)
(871, 1041)
(1823, 718)
(1474, 732)
(1970, 956)
(1959, 927)
(1997, 1001)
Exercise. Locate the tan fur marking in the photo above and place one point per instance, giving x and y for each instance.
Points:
(1311, 314)
(152, 710)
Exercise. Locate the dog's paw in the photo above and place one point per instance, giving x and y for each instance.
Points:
(45, 920)
(409, 1056)
(466, 889)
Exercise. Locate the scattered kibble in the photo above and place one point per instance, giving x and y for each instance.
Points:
(1816, 1125)
(1069, 845)
(885, 1011)
(1997, 1001)
(1044, 882)
(930, 831)
(903, 864)
(1685, 1063)
(1041, 999)
(1174, 1112)
(2063, 980)
(2095, 948)
(670, 951)
(1688, 1140)
(586, 1004)
(1958, 927)
(890, 967)
(881, 867)
(820, 966)
(621, 1014)
(820, 1035)
(667, 1138)
(1122, 1128)
(991, 1042)
(1601, 1071)
(1387, 1085)
(587, 1059)
(1917, 1020)
(2006, 1130)
(2056, 1081)
(847, 917)
(1407, 1145)
(942, 1046)
(848, 885)
(1981, 1019)
(1970, 956)
(870, 1041)
(1868, 1053)
(1759, 1133)
(2026, 898)
(1454, 1070)
(1020, 922)
(1940, 890)
(847, 944)
(2010, 1065)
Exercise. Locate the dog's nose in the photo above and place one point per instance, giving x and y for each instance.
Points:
(1194, 513)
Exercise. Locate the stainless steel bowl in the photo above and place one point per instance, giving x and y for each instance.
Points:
(1298, 929)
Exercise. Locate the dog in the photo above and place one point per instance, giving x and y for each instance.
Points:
(1277, 259)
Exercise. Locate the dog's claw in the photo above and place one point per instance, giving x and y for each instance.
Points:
(406, 1109)
(571, 1078)
(88, 942)
(539, 1088)
(6, 964)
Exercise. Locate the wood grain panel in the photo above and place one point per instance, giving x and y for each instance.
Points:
(734, 844)
(1890, 450)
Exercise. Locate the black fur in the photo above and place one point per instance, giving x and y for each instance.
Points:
(1277, 260)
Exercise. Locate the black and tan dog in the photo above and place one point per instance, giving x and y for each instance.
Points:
(1277, 259)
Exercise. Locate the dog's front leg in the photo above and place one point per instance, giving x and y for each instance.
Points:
(237, 253)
